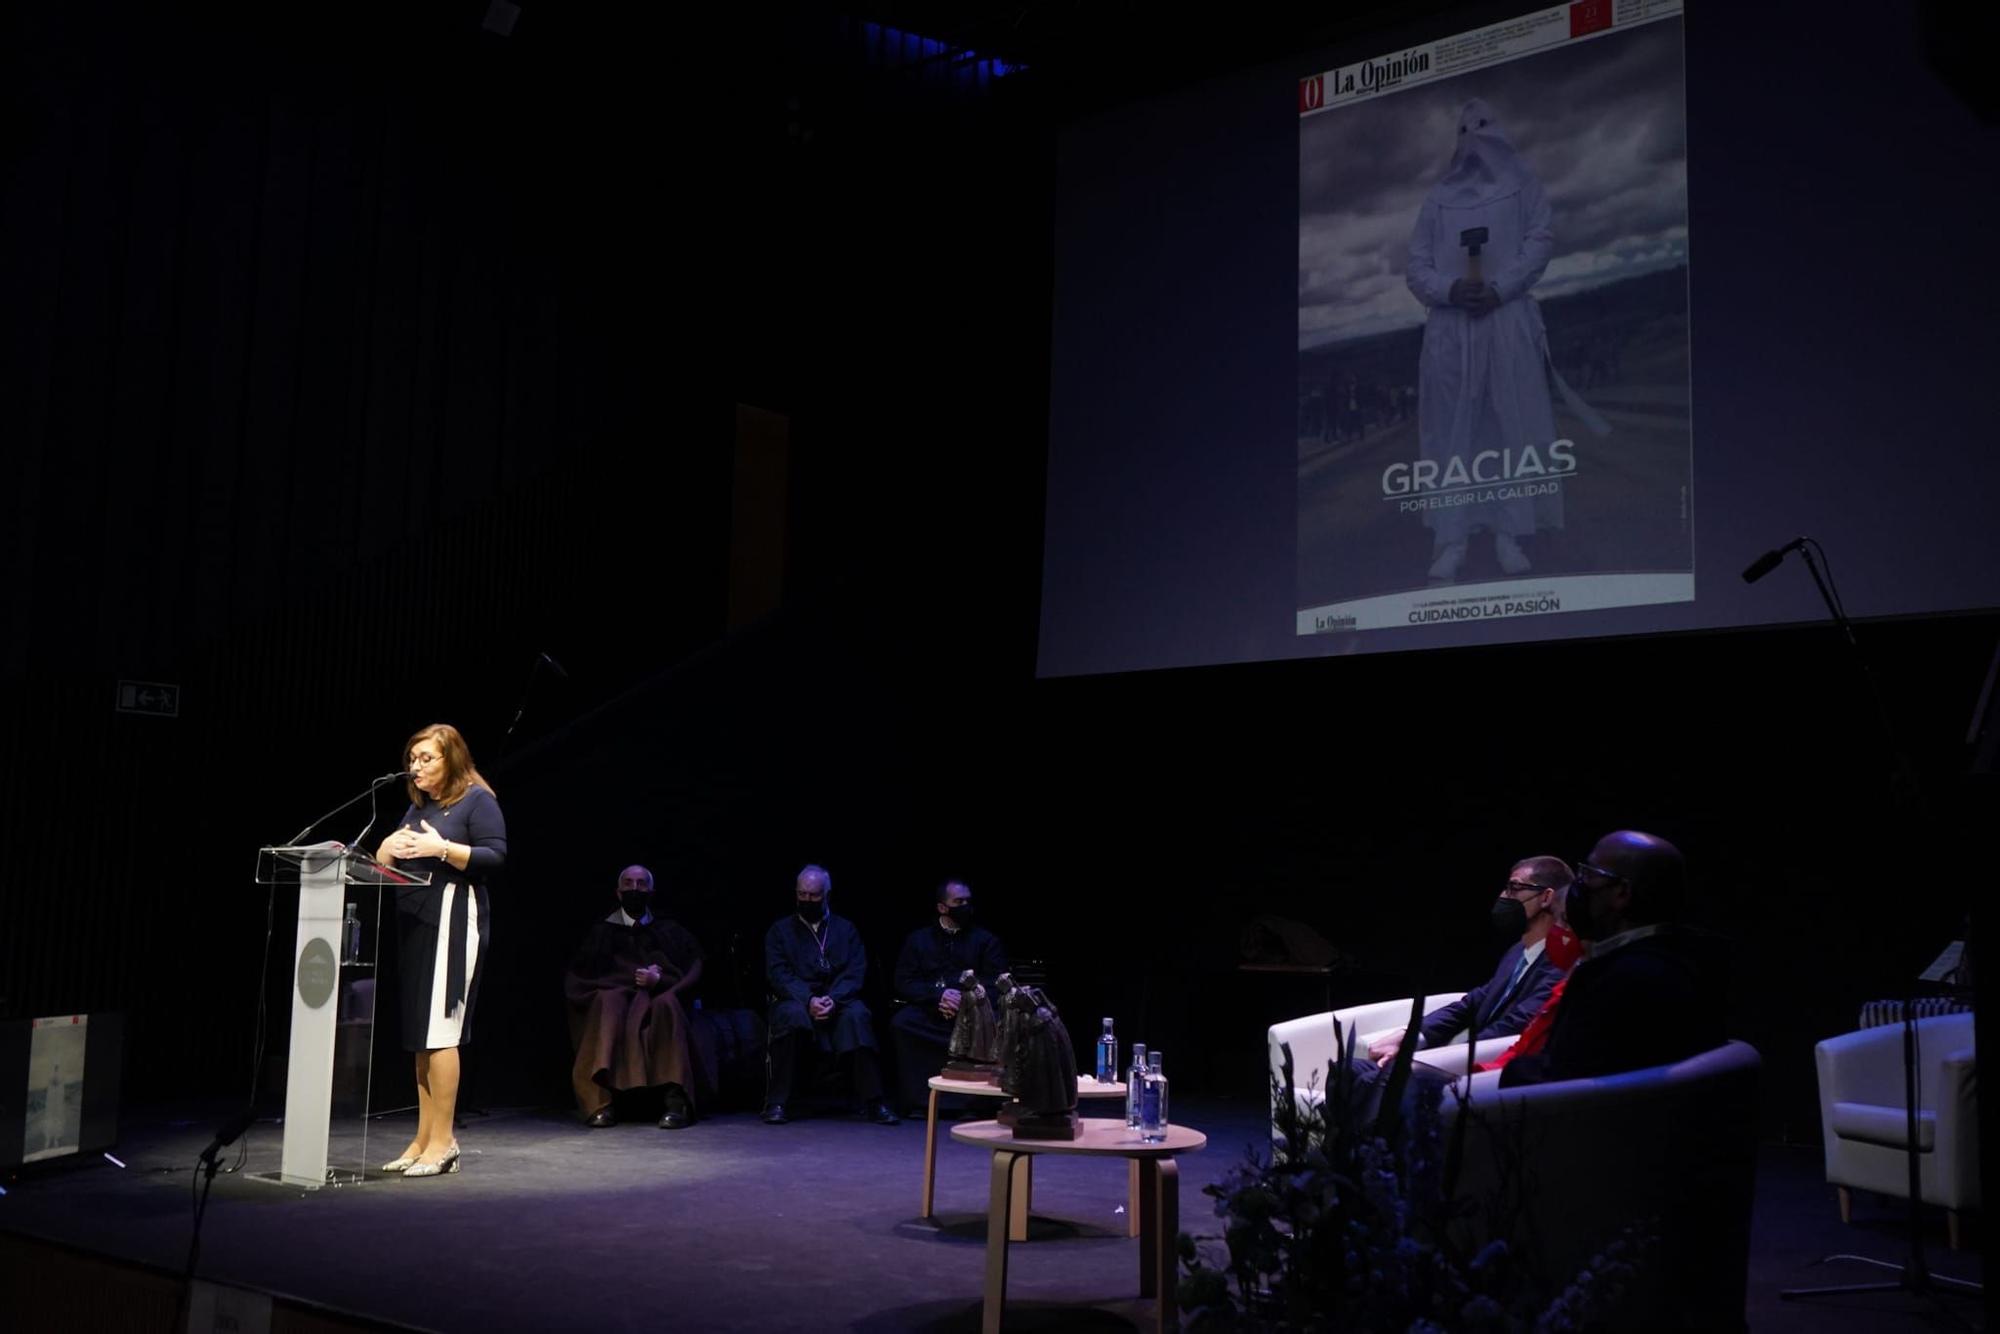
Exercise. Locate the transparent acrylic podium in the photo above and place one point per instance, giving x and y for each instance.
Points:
(333, 1008)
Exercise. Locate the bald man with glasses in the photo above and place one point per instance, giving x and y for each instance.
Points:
(1652, 990)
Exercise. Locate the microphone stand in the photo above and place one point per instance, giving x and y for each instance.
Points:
(1982, 741)
(520, 709)
(1905, 773)
(369, 795)
(1914, 1274)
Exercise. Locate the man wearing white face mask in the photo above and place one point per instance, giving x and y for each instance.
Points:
(1484, 416)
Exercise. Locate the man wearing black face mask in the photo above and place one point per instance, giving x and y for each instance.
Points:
(627, 1018)
(1522, 915)
(815, 964)
(1651, 991)
(927, 972)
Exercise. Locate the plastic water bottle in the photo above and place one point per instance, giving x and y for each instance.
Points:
(1153, 1102)
(350, 935)
(1107, 1056)
(1132, 1083)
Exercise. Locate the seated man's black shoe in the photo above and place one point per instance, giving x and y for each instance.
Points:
(601, 1118)
(879, 1113)
(774, 1115)
(680, 1112)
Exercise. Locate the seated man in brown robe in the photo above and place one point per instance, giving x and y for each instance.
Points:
(626, 1015)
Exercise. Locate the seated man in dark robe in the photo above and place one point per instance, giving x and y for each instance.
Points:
(927, 975)
(627, 1015)
(1651, 991)
(814, 964)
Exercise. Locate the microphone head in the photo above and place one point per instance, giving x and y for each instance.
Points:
(555, 666)
(1763, 565)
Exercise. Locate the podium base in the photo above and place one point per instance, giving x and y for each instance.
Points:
(336, 1178)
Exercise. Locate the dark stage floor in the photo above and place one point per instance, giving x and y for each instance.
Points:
(736, 1225)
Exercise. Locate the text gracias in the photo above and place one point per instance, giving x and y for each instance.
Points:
(1427, 484)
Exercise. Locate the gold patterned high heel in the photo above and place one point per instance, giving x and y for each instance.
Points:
(399, 1164)
(444, 1166)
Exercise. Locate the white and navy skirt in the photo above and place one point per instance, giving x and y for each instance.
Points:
(443, 928)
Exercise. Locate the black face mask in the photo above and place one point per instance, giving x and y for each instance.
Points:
(1510, 920)
(1576, 907)
(960, 914)
(635, 905)
(811, 912)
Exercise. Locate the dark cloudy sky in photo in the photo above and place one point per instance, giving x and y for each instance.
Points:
(1603, 123)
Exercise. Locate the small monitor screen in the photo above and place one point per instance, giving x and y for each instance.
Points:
(67, 1069)
(57, 1051)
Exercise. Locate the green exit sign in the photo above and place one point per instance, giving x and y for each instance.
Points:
(154, 697)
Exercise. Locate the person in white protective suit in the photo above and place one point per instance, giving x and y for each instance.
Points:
(1481, 242)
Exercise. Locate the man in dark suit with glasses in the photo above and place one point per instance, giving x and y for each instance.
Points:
(1502, 1005)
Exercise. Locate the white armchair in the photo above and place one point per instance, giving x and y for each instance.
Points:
(1312, 1040)
(1864, 1118)
(1680, 1142)
(1677, 1143)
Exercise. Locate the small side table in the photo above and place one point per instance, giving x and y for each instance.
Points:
(1159, 1200)
(1017, 1220)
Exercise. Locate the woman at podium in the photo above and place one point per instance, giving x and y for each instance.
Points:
(454, 831)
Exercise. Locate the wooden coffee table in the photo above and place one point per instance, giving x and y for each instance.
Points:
(1159, 1200)
(1017, 1219)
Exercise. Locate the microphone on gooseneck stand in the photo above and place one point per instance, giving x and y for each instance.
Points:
(374, 813)
(1770, 560)
(372, 789)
